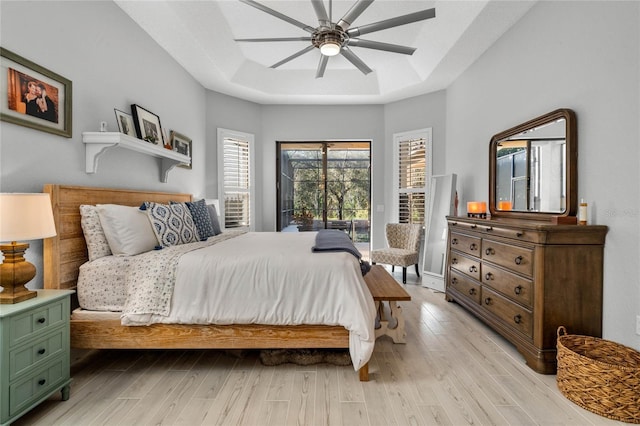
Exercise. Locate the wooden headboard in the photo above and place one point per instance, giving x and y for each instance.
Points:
(64, 253)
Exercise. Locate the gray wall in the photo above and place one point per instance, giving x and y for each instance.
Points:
(112, 63)
(578, 55)
(291, 123)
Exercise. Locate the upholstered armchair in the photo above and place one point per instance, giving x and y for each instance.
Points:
(403, 240)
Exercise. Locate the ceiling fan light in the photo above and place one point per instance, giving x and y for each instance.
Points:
(330, 48)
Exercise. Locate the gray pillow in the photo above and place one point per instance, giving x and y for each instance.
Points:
(213, 215)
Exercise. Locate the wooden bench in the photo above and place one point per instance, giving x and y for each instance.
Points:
(384, 288)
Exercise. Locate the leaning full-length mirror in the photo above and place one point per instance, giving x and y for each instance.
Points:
(441, 204)
(533, 168)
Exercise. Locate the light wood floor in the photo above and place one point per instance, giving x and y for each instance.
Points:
(452, 371)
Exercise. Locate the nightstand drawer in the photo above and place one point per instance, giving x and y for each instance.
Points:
(42, 381)
(27, 325)
(32, 355)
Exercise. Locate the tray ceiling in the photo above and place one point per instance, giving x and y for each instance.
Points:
(200, 36)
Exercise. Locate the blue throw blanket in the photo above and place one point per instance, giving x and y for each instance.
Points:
(335, 240)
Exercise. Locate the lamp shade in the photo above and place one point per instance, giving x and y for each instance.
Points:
(25, 217)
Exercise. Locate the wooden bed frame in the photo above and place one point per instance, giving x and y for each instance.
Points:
(64, 253)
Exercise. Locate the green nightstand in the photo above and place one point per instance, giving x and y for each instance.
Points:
(34, 352)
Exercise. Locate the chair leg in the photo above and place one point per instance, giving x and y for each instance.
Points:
(404, 275)
(417, 273)
(393, 268)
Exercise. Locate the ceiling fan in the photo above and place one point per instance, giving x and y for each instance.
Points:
(333, 38)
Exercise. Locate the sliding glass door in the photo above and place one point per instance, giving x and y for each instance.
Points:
(324, 185)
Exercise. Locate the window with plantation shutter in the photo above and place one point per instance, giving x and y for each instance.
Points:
(412, 174)
(235, 178)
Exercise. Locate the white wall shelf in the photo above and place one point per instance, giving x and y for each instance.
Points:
(97, 143)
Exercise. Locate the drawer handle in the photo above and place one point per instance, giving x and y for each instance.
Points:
(41, 320)
(518, 260)
(454, 241)
(488, 276)
(454, 280)
(518, 290)
(489, 228)
(489, 251)
(487, 301)
(42, 382)
(472, 291)
(517, 319)
(454, 261)
(473, 247)
(41, 351)
(474, 226)
(519, 234)
(473, 268)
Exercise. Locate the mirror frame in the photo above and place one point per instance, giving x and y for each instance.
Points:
(571, 134)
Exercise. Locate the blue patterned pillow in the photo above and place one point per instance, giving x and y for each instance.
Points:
(172, 223)
(201, 218)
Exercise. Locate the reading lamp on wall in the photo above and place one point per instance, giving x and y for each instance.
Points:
(22, 217)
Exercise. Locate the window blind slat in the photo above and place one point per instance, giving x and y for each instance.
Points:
(411, 180)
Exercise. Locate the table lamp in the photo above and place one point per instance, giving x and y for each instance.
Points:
(22, 217)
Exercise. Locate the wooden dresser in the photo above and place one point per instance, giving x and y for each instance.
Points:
(525, 278)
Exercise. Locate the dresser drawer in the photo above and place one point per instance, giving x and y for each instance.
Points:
(27, 325)
(465, 286)
(466, 244)
(509, 312)
(26, 391)
(31, 355)
(466, 265)
(511, 285)
(514, 258)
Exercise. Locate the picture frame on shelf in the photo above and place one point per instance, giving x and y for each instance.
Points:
(125, 123)
(182, 144)
(147, 125)
(34, 96)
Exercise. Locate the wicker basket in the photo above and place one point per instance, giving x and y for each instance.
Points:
(600, 376)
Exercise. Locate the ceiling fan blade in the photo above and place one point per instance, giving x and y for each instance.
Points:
(322, 65)
(279, 15)
(295, 55)
(357, 62)
(274, 39)
(321, 13)
(392, 22)
(378, 45)
(355, 11)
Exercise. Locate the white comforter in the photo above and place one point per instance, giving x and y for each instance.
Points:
(271, 278)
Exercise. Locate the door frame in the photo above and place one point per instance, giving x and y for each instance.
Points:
(325, 144)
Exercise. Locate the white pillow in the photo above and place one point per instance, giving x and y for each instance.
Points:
(127, 229)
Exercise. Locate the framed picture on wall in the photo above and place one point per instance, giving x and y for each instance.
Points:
(34, 96)
(182, 144)
(125, 123)
(147, 125)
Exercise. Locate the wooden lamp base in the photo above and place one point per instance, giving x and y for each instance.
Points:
(15, 272)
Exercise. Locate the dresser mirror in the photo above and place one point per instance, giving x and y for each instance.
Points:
(533, 168)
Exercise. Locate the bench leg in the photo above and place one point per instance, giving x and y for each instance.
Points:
(393, 326)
